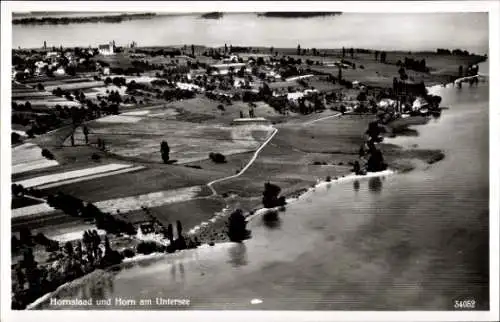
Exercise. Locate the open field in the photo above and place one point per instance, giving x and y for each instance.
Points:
(144, 182)
(303, 152)
(140, 136)
(27, 157)
(376, 74)
(190, 213)
(64, 176)
(154, 199)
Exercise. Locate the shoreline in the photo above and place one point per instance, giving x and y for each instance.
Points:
(209, 233)
(294, 197)
(208, 227)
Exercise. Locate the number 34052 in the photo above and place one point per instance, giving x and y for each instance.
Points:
(466, 304)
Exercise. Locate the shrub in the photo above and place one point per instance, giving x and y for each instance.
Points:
(128, 253)
(147, 247)
(52, 246)
(30, 133)
(41, 239)
(328, 178)
(217, 157)
(95, 157)
(15, 138)
(47, 154)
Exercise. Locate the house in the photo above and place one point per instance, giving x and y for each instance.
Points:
(298, 95)
(254, 57)
(60, 71)
(40, 65)
(52, 54)
(187, 86)
(231, 59)
(107, 50)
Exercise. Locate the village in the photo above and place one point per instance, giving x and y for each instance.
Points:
(114, 146)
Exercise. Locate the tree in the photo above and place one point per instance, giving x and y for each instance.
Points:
(340, 73)
(28, 261)
(237, 231)
(107, 247)
(376, 55)
(25, 237)
(298, 50)
(460, 71)
(86, 134)
(170, 233)
(343, 52)
(68, 248)
(179, 228)
(374, 131)
(165, 151)
(376, 161)
(383, 57)
(351, 51)
(270, 196)
(356, 168)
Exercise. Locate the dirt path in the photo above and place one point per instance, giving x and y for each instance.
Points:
(256, 154)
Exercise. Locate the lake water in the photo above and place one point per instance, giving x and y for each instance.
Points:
(412, 241)
(404, 31)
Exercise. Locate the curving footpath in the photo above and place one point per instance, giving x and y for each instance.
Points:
(256, 154)
(209, 185)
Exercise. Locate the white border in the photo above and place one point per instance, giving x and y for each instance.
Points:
(491, 6)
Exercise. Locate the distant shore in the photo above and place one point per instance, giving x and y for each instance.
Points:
(88, 19)
(296, 14)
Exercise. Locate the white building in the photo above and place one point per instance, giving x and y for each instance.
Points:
(52, 54)
(60, 71)
(107, 49)
(223, 69)
(298, 95)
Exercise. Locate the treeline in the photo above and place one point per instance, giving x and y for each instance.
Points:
(76, 207)
(159, 52)
(68, 20)
(414, 64)
(295, 14)
(456, 52)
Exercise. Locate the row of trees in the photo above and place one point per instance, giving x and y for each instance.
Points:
(413, 64)
(456, 52)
